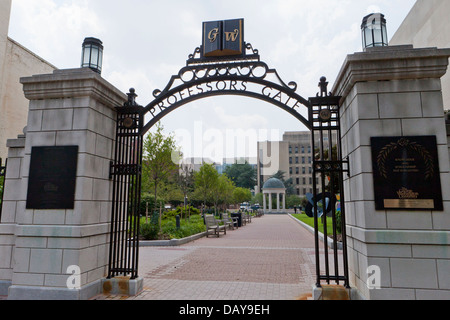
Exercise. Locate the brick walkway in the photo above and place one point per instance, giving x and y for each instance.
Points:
(271, 258)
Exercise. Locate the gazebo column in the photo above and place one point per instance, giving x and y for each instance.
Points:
(278, 202)
(270, 201)
(264, 202)
(284, 201)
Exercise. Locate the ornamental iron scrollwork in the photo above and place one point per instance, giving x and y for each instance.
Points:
(244, 75)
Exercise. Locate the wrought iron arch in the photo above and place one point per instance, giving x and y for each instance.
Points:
(202, 78)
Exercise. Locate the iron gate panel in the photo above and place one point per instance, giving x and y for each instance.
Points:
(328, 165)
(125, 172)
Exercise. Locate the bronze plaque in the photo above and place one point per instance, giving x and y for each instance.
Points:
(51, 183)
(406, 173)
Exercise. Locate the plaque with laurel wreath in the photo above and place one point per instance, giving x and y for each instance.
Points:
(406, 173)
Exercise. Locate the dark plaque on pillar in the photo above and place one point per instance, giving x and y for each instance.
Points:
(51, 183)
(406, 173)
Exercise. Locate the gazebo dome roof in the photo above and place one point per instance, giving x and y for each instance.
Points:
(274, 183)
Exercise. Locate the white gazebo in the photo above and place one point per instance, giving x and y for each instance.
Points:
(274, 186)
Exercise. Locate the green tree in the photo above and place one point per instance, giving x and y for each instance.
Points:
(293, 200)
(205, 180)
(241, 195)
(157, 160)
(243, 175)
(222, 191)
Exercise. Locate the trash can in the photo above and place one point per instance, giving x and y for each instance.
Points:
(237, 215)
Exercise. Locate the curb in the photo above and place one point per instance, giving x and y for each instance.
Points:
(321, 236)
(171, 243)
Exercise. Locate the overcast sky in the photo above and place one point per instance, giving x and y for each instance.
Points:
(147, 41)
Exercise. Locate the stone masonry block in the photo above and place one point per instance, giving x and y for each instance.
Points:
(49, 217)
(59, 119)
(40, 139)
(414, 273)
(400, 105)
(34, 120)
(46, 260)
(444, 271)
(425, 127)
(6, 254)
(21, 261)
(409, 220)
(432, 104)
(85, 140)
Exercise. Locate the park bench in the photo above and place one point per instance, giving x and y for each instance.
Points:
(227, 221)
(212, 226)
(246, 217)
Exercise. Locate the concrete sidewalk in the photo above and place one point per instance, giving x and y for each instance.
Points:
(271, 258)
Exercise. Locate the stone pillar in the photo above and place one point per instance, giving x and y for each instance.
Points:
(284, 201)
(67, 108)
(394, 91)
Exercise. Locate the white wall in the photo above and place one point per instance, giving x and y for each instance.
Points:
(427, 25)
(15, 62)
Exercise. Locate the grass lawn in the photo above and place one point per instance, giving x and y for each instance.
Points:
(310, 221)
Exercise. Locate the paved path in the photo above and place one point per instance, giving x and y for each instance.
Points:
(271, 258)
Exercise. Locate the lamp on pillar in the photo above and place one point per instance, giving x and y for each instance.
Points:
(374, 31)
(92, 54)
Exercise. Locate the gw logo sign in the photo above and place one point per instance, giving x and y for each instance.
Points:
(223, 38)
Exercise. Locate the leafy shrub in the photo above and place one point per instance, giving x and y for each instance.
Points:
(188, 228)
(180, 212)
(149, 231)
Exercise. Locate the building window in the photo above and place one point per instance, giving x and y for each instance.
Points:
(290, 170)
(296, 160)
(309, 149)
(304, 181)
(303, 149)
(290, 150)
(297, 170)
(297, 180)
(296, 149)
(290, 160)
(303, 160)
(309, 160)
(304, 170)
